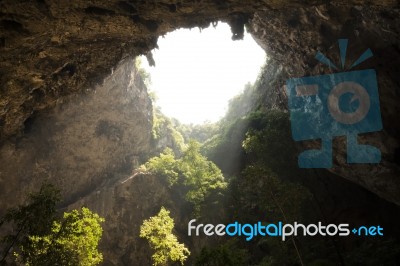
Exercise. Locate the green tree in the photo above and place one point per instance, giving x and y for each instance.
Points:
(198, 132)
(72, 241)
(267, 181)
(166, 128)
(39, 238)
(199, 176)
(269, 141)
(146, 77)
(34, 218)
(165, 165)
(227, 254)
(241, 104)
(158, 231)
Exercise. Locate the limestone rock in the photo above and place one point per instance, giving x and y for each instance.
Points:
(292, 37)
(83, 142)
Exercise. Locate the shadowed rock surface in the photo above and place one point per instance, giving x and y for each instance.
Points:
(83, 141)
(293, 37)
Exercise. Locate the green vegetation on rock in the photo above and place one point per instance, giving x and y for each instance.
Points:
(226, 254)
(40, 238)
(158, 231)
(192, 171)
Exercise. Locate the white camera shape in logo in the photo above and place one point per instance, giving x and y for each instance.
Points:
(359, 94)
(316, 112)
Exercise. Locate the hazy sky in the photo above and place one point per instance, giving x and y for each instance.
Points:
(197, 73)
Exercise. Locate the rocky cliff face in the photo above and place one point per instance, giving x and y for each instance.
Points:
(85, 141)
(293, 37)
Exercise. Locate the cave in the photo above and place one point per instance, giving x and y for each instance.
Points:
(74, 109)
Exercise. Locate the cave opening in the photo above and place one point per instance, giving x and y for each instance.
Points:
(195, 73)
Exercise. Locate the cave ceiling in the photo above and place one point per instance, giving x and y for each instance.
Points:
(51, 49)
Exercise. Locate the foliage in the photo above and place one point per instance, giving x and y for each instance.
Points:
(200, 133)
(226, 149)
(72, 241)
(265, 182)
(142, 72)
(227, 254)
(269, 141)
(177, 138)
(260, 147)
(260, 194)
(274, 197)
(34, 218)
(40, 238)
(200, 176)
(242, 104)
(158, 122)
(158, 231)
(164, 127)
(369, 252)
(165, 165)
(279, 252)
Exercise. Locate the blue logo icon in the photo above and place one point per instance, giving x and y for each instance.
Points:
(339, 104)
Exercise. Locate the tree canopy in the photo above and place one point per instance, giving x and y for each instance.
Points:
(193, 170)
(72, 241)
(158, 231)
(40, 238)
(33, 218)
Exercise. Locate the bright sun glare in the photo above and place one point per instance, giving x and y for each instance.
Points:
(197, 73)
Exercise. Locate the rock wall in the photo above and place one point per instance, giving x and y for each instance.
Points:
(292, 37)
(83, 143)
